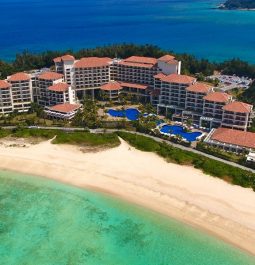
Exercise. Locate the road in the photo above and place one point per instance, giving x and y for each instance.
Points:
(159, 140)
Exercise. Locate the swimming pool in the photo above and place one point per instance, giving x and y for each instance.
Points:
(131, 114)
(179, 130)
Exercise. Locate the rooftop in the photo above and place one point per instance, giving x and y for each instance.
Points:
(59, 87)
(159, 76)
(66, 57)
(235, 137)
(65, 108)
(139, 61)
(218, 97)
(133, 85)
(19, 77)
(178, 79)
(4, 84)
(91, 62)
(238, 106)
(199, 88)
(113, 85)
(50, 76)
(166, 58)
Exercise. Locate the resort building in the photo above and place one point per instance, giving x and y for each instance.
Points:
(21, 90)
(237, 115)
(194, 103)
(6, 104)
(90, 74)
(172, 97)
(111, 90)
(183, 98)
(213, 109)
(135, 74)
(64, 111)
(52, 90)
(60, 93)
(147, 79)
(231, 140)
(64, 65)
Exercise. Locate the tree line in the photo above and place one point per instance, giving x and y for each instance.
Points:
(190, 64)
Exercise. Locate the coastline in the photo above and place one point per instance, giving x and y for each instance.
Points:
(142, 178)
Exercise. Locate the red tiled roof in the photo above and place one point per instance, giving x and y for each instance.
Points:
(113, 85)
(59, 87)
(159, 76)
(57, 60)
(179, 79)
(235, 137)
(133, 85)
(199, 88)
(238, 106)
(141, 59)
(65, 108)
(50, 76)
(218, 97)
(19, 77)
(90, 62)
(4, 84)
(132, 64)
(166, 58)
(66, 57)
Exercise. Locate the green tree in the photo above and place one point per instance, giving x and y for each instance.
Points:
(88, 116)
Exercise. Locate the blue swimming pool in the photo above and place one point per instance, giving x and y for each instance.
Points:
(130, 114)
(179, 130)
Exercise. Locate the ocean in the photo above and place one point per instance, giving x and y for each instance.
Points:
(190, 26)
(43, 222)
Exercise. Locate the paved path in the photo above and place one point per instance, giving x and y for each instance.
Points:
(159, 140)
(189, 149)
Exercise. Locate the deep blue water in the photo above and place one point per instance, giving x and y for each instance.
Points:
(130, 114)
(178, 130)
(180, 25)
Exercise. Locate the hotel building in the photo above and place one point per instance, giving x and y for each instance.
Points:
(237, 115)
(52, 90)
(231, 140)
(158, 81)
(148, 79)
(64, 111)
(90, 74)
(6, 105)
(183, 98)
(21, 89)
(135, 74)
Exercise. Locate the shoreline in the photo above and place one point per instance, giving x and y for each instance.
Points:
(223, 7)
(187, 195)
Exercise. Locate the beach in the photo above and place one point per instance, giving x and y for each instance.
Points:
(145, 179)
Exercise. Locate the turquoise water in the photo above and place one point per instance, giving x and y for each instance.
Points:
(190, 26)
(43, 222)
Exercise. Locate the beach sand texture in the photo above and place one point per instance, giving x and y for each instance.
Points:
(181, 192)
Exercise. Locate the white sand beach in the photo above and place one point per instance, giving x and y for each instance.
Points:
(181, 192)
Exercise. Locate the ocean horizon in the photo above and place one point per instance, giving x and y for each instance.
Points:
(182, 26)
(53, 223)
